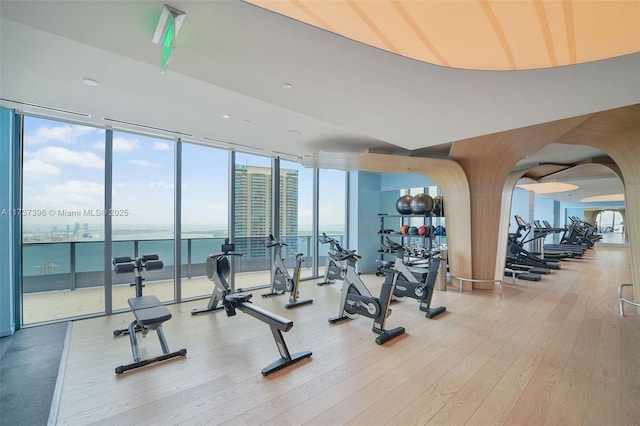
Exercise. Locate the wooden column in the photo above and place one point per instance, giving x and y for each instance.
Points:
(617, 133)
(488, 161)
(478, 185)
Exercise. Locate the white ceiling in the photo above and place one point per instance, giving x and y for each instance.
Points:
(233, 58)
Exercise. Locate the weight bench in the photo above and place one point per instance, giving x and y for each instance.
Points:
(148, 311)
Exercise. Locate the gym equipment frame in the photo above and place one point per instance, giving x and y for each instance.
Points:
(281, 280)
(218, 267)
(148, 311)
(357, 300)
(333, 269)
(406, 284)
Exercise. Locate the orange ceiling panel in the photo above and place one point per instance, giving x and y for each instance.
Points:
(525, 34)
(448, 30)
(479, 34)
(605, 26)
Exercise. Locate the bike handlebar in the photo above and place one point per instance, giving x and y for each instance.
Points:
(274, 242)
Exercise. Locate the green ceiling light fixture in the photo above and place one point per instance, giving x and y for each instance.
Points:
(169, 24)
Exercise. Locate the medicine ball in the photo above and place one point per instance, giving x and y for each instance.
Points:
(404, 230)
(413, 230)
(403, 205)
(424, 230)
(421, 204)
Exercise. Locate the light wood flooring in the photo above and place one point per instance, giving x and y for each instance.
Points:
(58, 305)
(543, 353)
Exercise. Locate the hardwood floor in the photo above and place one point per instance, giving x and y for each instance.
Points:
(542, 353)
(57, 305)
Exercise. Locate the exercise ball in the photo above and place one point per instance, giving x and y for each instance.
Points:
(413, 230)
(404, 230)
(403, 205)
(421, 204)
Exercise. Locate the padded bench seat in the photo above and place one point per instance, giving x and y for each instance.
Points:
(148, 310)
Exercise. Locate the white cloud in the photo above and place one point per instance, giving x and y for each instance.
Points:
(60, 155)
(143, 163)
(71, 194)
(67, 133)
(36, 168)
(161, 146)
(85, 188)
(125, 145)
(161, 185)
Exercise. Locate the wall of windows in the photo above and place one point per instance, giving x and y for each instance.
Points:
(205, 213)
(63, 192)
(296, 214)
(610, 221)
(332, 198)
(142, 211)
(103, 193)
(332, 209)
(252, 202)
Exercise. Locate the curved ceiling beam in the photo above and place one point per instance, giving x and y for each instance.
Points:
(447, 174)
(617, 133)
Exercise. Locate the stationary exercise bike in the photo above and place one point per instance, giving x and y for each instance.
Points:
(414, 284)
(281, 281)
(333, 269)
(217, 268)
(357, 300)
(149, 312)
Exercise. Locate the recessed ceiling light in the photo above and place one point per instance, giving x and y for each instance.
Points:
(294, 132)
(226, 116)
(601, 198)
(548, 187)
(247, 122)
(287, 86)
(90, 82)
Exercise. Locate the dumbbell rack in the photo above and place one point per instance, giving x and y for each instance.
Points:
(384, 231)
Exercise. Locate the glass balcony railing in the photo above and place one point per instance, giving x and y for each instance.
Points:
(54, 266)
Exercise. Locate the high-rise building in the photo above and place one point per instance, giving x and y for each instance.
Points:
(253, 206)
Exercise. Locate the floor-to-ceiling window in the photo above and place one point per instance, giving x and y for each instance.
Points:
(610, 221)
(67, 172)
(296, 214)
(205, 210)
(252, 202)
(62, 221)
(143, 211)
(332, 193)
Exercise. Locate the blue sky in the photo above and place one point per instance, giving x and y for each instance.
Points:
(64, 170)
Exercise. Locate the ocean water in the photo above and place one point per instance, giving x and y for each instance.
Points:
(87, 255)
